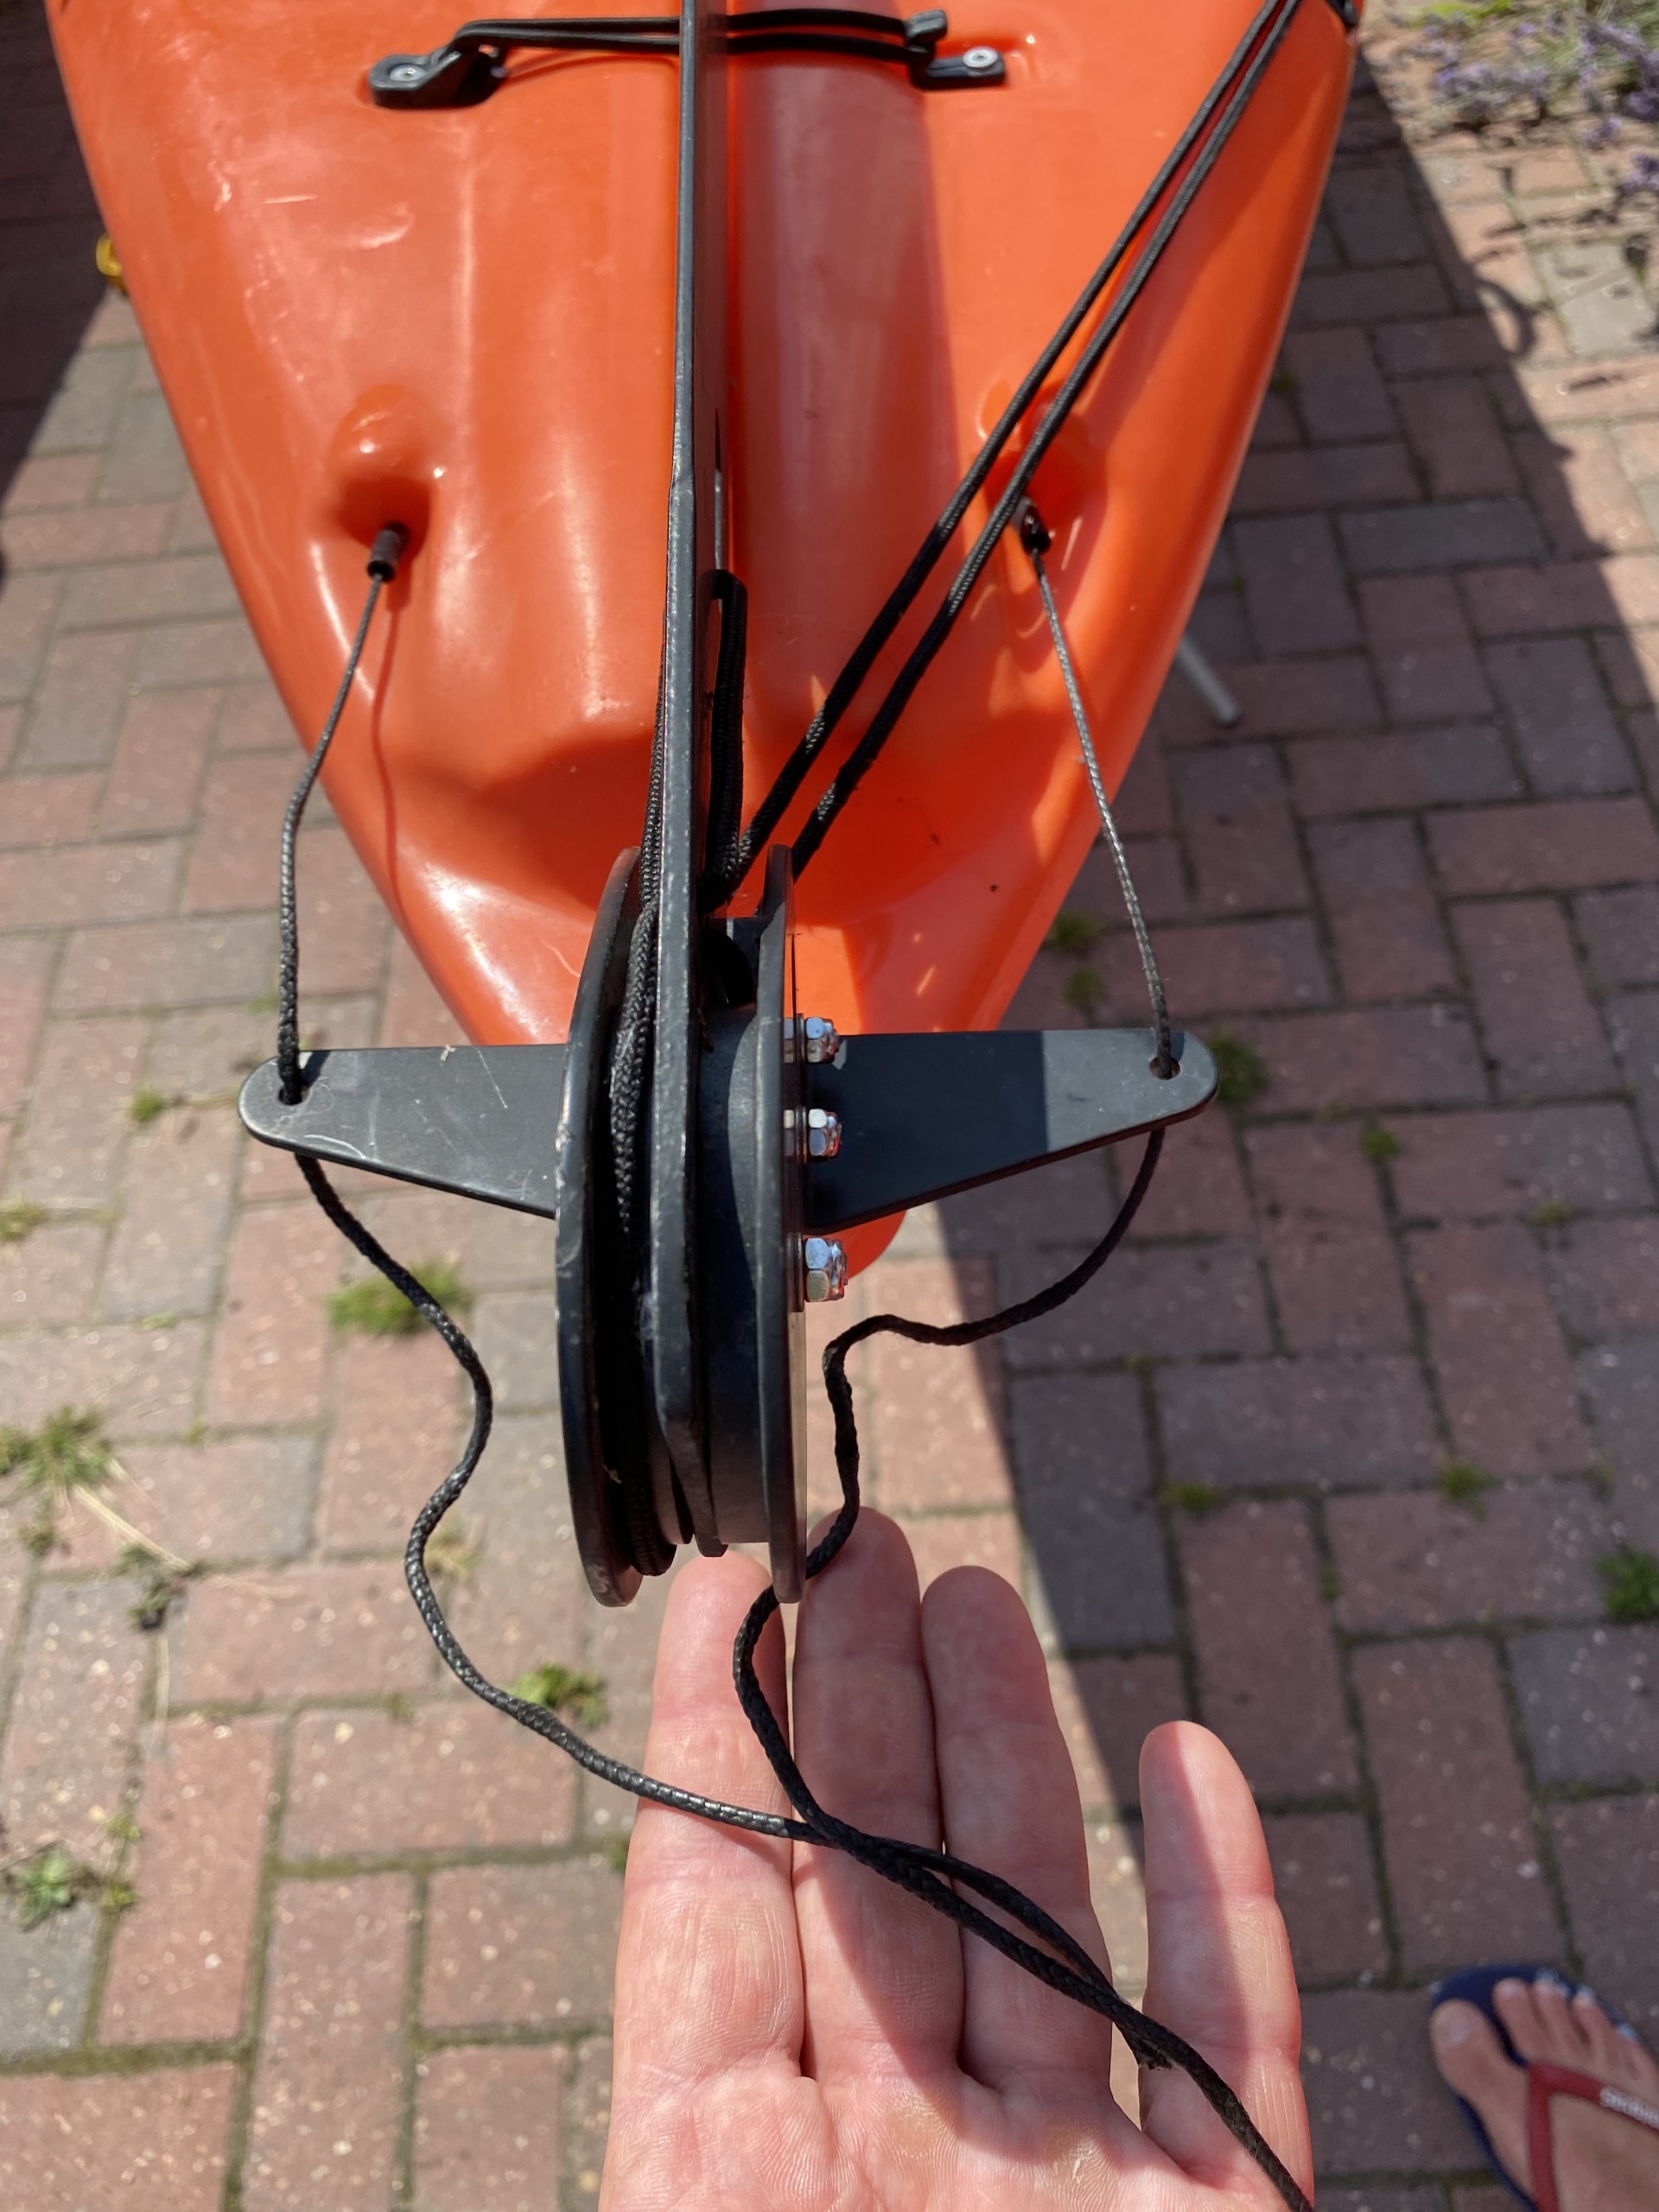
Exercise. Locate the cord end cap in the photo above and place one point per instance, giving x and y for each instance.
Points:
(387, 552)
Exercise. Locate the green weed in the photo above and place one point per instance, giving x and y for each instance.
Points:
(49, 1883)
(451, 1552)
(1243, 1071)
(1463, 1483)
(1196, 1498)
(374, 1309)
(19, 1219)
(1073, 934)
(562, 1690)
(163, 1580)
(1082, 991)
(1379, 1145)
(67, 1456)
(1630, 1579)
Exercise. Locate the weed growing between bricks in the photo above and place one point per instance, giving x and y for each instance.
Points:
(1631, 1578)
(375, 1307)
(19, 1219)
(567, 1690)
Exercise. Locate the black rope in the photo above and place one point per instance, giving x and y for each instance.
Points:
(632, 1049)
(883, 721)
(388, 550)
(725, 823)
(924, 1873)
(904, 595)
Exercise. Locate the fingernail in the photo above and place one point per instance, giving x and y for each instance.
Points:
(1511, 1986)
(1450, 2025)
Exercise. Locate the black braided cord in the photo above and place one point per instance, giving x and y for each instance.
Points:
(925, 1873)
(1008, 504)
(1234, 86)
(387, 552)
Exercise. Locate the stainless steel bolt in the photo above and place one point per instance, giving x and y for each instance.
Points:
(407, 73)
(825, 1264)
(820, 1038)
(823, 1133)
(981, 57)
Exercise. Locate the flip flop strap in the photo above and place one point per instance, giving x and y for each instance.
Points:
(1545, 2081)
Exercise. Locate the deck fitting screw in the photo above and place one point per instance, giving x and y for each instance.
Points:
(825, 1263)
(407, 73)
(820, 1038)
(981, 57)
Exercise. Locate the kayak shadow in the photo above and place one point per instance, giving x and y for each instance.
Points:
(49, 286)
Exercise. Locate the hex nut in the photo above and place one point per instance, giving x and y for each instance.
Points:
(823, 1133)
(820, 1038)
(825, 1264)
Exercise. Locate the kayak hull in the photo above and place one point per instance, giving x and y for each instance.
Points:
(462, 320)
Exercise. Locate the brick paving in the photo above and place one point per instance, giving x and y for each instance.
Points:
(1329, 1458)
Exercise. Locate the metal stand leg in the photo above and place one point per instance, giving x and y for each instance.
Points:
(1208, 685)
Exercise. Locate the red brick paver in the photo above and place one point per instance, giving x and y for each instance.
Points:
(1329, 1458)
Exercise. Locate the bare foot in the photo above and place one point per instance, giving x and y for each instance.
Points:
(1603, 2164)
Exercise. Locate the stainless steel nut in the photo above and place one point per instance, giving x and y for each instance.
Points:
(825, 1264)
(820, 1038)
(823, 1133)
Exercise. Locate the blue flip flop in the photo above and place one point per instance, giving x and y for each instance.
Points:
(1474, 1985)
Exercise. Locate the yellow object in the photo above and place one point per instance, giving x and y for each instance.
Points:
(109, 263)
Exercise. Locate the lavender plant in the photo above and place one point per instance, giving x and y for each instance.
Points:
(1522, 61)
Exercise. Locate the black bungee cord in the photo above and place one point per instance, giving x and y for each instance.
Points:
(1230, 93)
(929, 1874)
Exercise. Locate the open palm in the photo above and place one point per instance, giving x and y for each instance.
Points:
(794, 2034)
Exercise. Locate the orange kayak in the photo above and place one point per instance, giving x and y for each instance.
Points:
(462, 319)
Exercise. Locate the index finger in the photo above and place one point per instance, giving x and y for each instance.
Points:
(1219, 1971)
(709, 1966)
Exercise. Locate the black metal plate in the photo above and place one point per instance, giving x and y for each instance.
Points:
(924, 1115)
(476, 1119)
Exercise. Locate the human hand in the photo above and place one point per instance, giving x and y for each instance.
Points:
(794, 2034)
